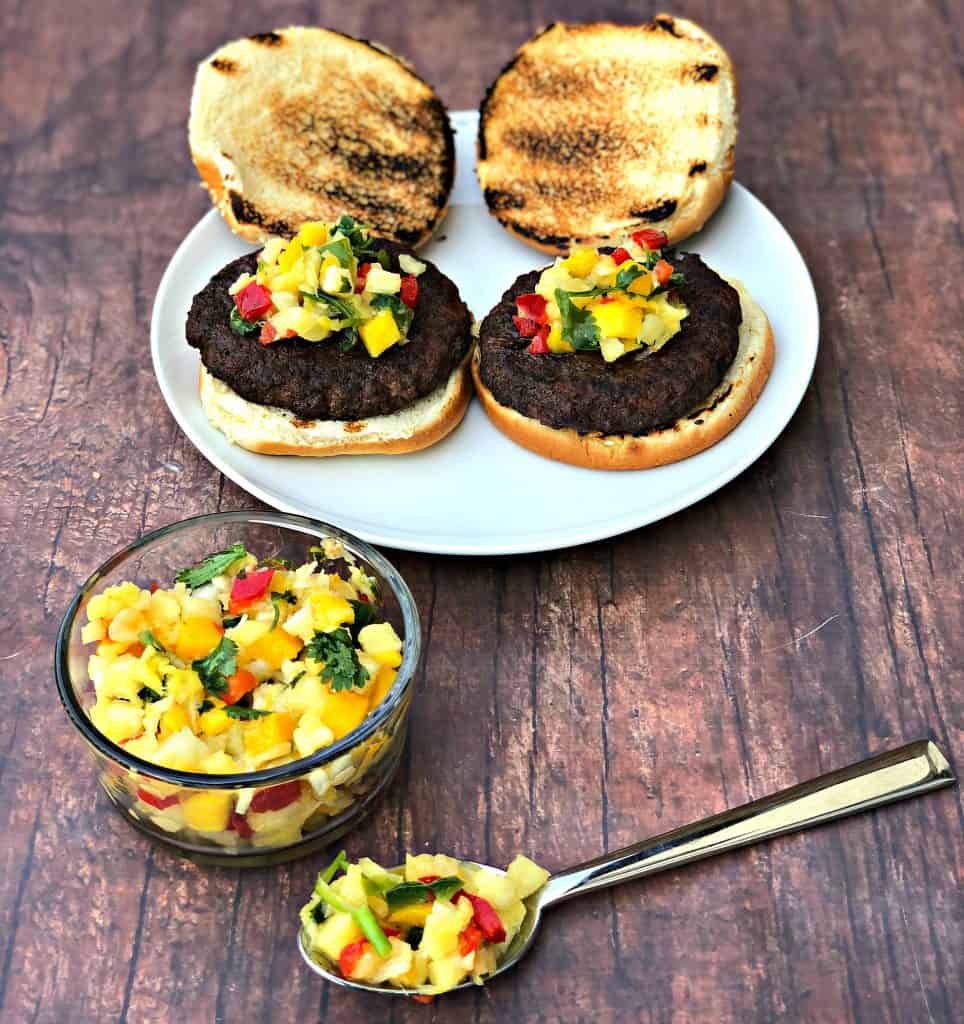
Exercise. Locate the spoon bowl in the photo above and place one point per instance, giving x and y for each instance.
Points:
(514, 952)
(911, 770)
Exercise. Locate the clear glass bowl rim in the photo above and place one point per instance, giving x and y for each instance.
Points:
(268, 776)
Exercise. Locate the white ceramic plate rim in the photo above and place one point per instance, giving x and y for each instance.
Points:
(543, 539)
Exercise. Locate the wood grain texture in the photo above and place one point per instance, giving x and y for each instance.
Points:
(807, 614)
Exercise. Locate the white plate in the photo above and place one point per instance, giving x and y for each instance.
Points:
(477, 493)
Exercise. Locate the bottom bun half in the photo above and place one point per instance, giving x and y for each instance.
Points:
(708, 423)
(273, 431)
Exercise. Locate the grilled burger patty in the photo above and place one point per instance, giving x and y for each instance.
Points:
(633, 395)
(316, 380)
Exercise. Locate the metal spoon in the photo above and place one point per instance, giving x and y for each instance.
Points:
(893, 775)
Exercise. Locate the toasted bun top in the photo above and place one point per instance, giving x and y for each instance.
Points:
(594, 131)
(309, 124)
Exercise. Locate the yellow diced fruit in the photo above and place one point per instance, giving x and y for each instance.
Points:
(214, 722)
(117, 720)
(447, 972)
(443, 927)
(380, 333)
(208, 812)
(417, 974)
(275, 647)
(334, 934)
(498, 889)
(383, 684)
(126, 626)
(267, 733)
(328, 611)
(291, 254)
(556, 342)
(344, 711)
(414, 916)
(184, 685)
(92, 632)
(248, 632)
(110, 651)
(196, 638)
(581, 261)
(173, 720)
(612, 348)
(219, 763)
(381, 642)
(527, 876)
(313, 232)
(617, 319)
(643, 284)
(312, 734)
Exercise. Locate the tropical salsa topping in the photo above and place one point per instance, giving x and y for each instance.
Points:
(613, 303)
(429, 925)
(330, 279)
(242, 664)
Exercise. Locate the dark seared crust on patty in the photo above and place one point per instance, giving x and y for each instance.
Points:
(316, 380)
(637, 393)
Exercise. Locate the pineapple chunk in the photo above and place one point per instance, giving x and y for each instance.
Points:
(446, 972)
(527, 876)
(338, 931)
(312, 734)
(381, 642)
(417, 974)
(117, 720)
(442, 929)
(396, 965)
(499, 890)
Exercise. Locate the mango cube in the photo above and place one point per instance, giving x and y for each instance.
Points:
(581, 261)
(313, 232)
(275, 647)
(344, 711)
(207, 812)
(617, 319)
(196, 638)
(379, 333)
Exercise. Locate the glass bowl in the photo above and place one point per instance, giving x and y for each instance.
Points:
(336, 785)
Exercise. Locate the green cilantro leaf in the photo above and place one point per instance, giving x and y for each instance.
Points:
(215, 668)
(148, 695)
(342, 670)
(627, 275)
(578, 326)
(409, 893)
(277, 600)
(244, 714)
(365, 615)
(241, 326)
(197, 575)
(147, 638)
(341, 249)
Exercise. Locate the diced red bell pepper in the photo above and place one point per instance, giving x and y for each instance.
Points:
(160, 802)
(361, 276)
(485, 918)
(239, 684)
(539, 344)
(662, 272)
(390, 933)
(428, 879)
(276, 797)
(526, 326)
(249, 588)
(239, 823)
(650, 238)
(253, 302)
(409, 290)
(153, 587)
(532, 306)
(423, 999)
(348, 958)
(269, 333)
(469, 939)
(620, 255)
(136, 649)
(606, 299)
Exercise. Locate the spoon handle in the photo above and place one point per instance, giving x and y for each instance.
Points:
(908, 771)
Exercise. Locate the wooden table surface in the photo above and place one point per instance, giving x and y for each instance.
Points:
(806, 615)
